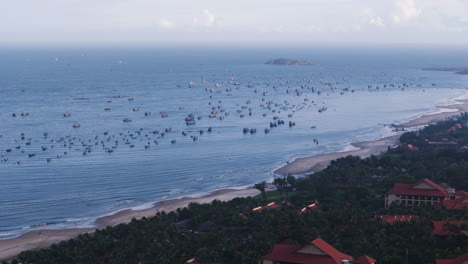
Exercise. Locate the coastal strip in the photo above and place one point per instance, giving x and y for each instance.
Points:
(367, 148)
(10, 248)
(318, 162)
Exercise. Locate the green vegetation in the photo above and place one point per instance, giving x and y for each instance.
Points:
(351, 193)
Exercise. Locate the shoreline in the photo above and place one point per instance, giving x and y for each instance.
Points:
(11, 247)
(365, 149)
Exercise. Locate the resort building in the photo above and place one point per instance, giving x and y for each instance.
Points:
(272, 205)
(192, 261)
(390, 219)
(310, 207)
(459, 203)
(463, 259)
(450, 228)
(316, 252)
(424, 192)
(364, 260)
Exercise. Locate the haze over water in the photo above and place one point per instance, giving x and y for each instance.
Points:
(75, 189)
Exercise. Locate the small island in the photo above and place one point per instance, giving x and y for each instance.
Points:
(286, 61)
(462, 71)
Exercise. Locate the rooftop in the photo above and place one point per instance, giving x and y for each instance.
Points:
(455, 204)
(317, 252)
(440, 228)
(460, 260)
(364, 260)
(424, 187)
(390, 219)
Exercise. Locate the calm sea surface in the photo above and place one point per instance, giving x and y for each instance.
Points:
(54, 175)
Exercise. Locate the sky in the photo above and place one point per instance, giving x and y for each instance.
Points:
(382, 22)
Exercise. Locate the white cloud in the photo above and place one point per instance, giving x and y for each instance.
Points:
(377, 21)
(207, 19)
(368, 16)
(165, 23)
(90, 20)
(406, 11)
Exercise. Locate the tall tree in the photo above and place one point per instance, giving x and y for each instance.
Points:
(261, 187)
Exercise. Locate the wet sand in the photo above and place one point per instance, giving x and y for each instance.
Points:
(10, 248)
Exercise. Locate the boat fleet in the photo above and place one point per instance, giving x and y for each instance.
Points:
(266, 100)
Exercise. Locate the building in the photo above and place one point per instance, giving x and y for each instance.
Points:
(364, 260)
(463, 259)
(460, 202)
(316, 252)
(444, 143)
(390, 219)
(442, 228)
(424, 192)
(311, 207)
(192, 261)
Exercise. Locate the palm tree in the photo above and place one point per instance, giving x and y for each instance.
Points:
(261, 188)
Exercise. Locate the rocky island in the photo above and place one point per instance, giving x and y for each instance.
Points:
(462, 71)
(286, 61)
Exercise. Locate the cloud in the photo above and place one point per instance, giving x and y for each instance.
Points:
(406, 11)
(165, 23)
(376, 21)
(207, 19)
(369, 17)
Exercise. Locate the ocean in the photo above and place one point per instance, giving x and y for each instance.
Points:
(54, 175)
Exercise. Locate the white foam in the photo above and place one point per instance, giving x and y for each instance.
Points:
(460, 97)
(143, 206)
(349, 147)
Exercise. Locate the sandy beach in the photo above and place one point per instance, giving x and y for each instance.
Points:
(319, 162)
(314, 163)
(460, 108)
(10, 248)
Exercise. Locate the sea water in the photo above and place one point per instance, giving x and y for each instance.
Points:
(73, 178)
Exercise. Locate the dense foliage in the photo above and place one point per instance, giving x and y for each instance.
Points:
(350, 192)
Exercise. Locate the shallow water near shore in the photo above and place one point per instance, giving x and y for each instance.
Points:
(57, 190)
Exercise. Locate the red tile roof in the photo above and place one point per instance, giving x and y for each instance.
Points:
(273, 205)
(460, 260)
(456, 204)
(411, 147)
(444, 261)
(461, 193)
(408, 189)
(288, 253)
(311, 207)
(441, 230)
(258, 209)
(364, 260)
(390, 219)
(192, 261)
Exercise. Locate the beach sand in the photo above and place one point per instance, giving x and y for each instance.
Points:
(319, 162)
(314, 163)
(428, 119)
(10, 248)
